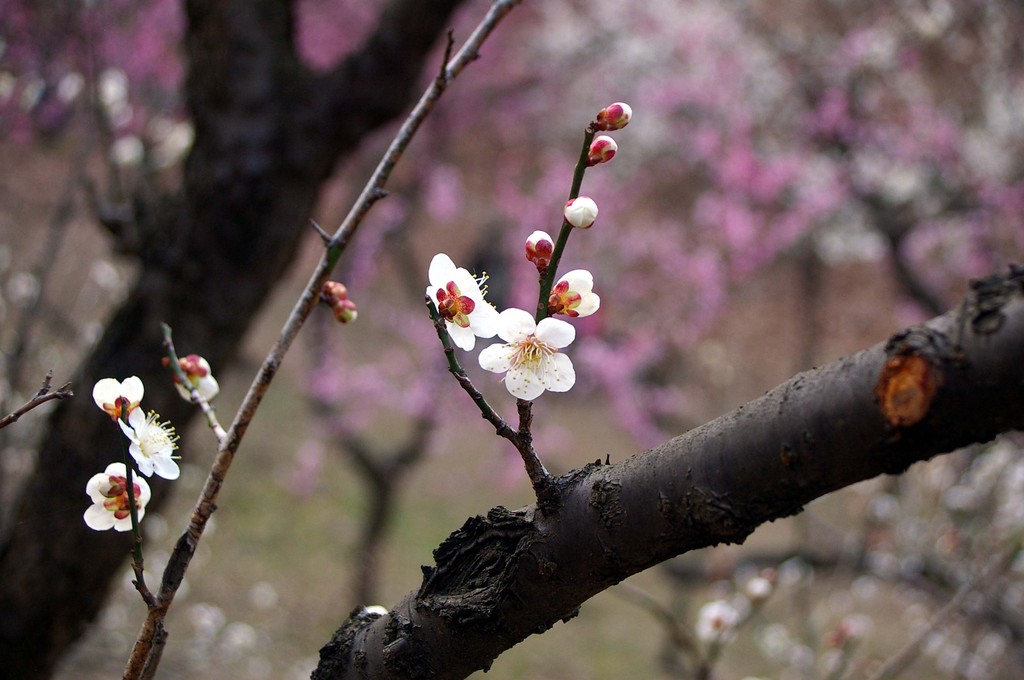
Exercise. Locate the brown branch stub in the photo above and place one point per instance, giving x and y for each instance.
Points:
(906, 388)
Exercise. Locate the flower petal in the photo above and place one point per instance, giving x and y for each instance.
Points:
(464, 338)
(132, 389)
(497, 358)
(523, 383)
(559, 375)
(440, 270)
(485, 320)
(579, 280)
(515, 325)
(589, 304)
(165, 467)
(106, 391)
(555, 332)
(98, 518)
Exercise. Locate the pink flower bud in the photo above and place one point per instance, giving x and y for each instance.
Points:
(580, 212)
(613, 117)
(602, 150)
(539, 248)
(345, 311)
(335, 294)
(333, 290)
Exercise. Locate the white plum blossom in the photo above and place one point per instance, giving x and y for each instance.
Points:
(460, 302)
(530, 358)
(574, 295)
(108, 393)
(152, 444)
(716, 622)
(199, 376)
(109, 493)
(580, 212)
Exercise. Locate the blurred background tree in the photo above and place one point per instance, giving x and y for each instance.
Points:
(800, 179)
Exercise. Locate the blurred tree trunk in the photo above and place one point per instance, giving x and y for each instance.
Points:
(268, 133)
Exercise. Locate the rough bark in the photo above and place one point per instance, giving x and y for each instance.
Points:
(930, 389)
(268, 133)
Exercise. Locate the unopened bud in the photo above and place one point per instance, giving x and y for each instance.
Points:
(539, 248)
(335, 294)
(613, 117)
(580, 212)
(345, 311)
(602, 150)
(333, 290)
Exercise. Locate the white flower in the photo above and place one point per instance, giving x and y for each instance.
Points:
(580, 212)
(460, 302)
(717, 621)
(574, 295)
(530, 356)
(199, 376)
(152, 444)
(108, 392)
(109, 493)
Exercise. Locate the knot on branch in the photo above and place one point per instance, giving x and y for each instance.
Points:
(476, 568)
(989, 295)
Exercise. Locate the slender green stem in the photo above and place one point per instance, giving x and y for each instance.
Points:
(547, 279)
(137, 559)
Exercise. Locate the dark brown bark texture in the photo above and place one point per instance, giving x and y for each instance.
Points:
(956, 380)
(268, 133)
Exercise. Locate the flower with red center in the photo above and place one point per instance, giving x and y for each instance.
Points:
(460, 302)
(109, 493)
(602, 150)
(574, 295)
(198, 376)
(539, 247)
(613, 117)
(110, 394)
(580, 212)
(152, 444)
(529, 358)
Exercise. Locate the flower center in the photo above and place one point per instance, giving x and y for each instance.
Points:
(453, 306)
(117, 496)
(531, 351)
(157, 438)
(563, 300)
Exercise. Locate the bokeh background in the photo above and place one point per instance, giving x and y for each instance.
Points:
(800, 180)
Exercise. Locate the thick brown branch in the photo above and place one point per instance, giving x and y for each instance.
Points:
(502, 578)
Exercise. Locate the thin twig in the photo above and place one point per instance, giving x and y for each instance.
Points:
(148, 645)
(900, 661)
(41, 397)
(208, 410)
(521, 438)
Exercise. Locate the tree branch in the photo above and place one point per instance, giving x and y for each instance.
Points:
(41, 397)
(930, 389)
